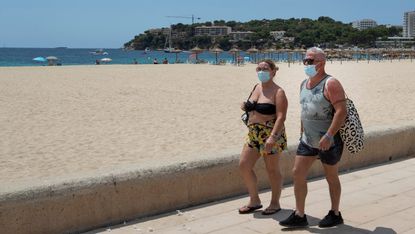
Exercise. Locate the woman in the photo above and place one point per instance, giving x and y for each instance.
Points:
(267, 109)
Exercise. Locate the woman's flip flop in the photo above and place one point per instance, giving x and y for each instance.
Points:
(249, 209)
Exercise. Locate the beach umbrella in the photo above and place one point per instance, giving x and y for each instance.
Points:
(270, 52)
(299, 53)
(196, 50)
(281, 52)
(216, 50)
(39, 59)
(235, 52)
(51, 60)
(290, 56)
(253, 50)
(106, 60)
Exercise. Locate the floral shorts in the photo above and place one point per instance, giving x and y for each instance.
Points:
(259, 133)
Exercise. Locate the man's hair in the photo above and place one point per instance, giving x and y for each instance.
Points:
(318, 53)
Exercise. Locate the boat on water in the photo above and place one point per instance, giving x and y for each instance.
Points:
(168, 49)
(99, 52)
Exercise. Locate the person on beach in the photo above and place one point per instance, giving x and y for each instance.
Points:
(323, 112)
(267, 110)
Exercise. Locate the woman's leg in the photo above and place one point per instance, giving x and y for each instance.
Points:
(249, 156)
(272, 166)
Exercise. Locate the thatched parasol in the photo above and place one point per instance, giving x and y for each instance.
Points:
(253, 50)
(235, 51)
(196, 50)
(216, 50)
(271, 51)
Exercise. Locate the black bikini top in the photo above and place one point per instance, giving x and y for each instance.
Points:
(262, 108)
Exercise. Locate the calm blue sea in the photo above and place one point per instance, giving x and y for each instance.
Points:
(69, 56)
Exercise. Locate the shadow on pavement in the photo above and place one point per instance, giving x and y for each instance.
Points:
(313, 225)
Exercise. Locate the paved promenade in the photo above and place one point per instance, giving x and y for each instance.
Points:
(379, 199)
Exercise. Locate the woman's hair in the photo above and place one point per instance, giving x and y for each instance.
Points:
(270, 63)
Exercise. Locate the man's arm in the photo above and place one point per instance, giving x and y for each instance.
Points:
(335, 93)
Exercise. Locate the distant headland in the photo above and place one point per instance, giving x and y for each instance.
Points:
(262, 34)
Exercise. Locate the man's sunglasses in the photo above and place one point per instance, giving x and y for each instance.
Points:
(308, 61)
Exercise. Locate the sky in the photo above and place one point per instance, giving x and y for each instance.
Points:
(110, 23)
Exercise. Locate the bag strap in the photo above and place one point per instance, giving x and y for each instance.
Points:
(345, 94)
(324, 87)
(252, 92)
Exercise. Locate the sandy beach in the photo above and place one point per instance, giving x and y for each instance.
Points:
(65, 123)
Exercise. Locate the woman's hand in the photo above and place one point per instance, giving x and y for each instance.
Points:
(269, 143)
(243, 106)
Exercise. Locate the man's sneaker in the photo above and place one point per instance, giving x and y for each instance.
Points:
(331, 220)
(295, 221)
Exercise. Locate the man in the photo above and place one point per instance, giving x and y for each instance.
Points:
(323, 111)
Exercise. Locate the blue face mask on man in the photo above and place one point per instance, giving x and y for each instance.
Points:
(310, 70)
(264, 76)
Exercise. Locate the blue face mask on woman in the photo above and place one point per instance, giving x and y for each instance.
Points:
(264, 76)
(310, 70)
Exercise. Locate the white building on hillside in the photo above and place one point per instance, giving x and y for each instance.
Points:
(278, 35)
(364, 24)
(212, 31)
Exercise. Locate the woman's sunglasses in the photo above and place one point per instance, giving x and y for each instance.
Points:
(308, 61)
(262, 69)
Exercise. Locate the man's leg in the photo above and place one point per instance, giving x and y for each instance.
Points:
(334, 217)
(301, 166)
(332, 177)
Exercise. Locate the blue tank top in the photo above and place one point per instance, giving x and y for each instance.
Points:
(316, 113)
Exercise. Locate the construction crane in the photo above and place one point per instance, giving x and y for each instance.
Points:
(185, 17)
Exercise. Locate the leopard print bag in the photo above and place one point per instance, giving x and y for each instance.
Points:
(352, 132)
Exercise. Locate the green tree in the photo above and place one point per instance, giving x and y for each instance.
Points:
(224, 43)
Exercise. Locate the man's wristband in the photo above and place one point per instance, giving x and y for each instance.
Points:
(328, 136)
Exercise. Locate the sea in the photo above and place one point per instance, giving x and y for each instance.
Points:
(72, 56)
